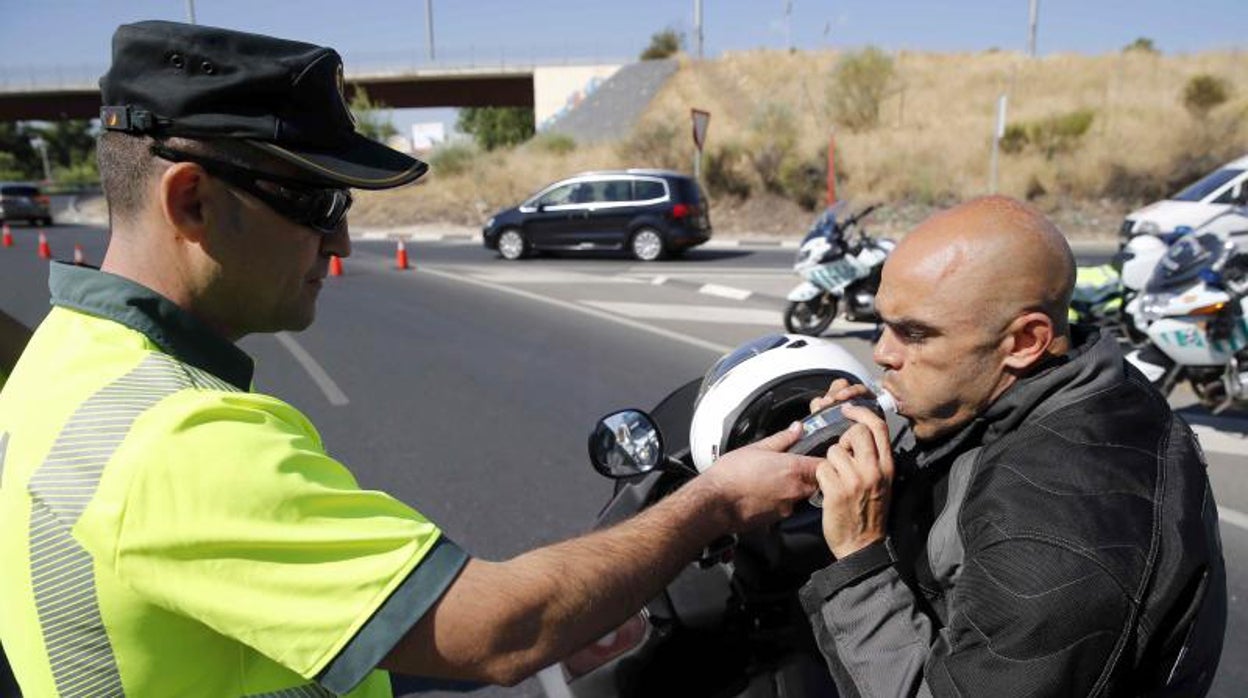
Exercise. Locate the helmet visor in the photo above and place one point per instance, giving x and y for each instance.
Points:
(735, 357)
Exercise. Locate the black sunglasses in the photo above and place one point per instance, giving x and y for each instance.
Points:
(321, 209)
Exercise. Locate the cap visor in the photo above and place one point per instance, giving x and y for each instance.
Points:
(362, 164)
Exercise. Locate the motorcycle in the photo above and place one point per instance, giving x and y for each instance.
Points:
(1193, 311)
(835, 268)
(1104, 294)
(730, 624)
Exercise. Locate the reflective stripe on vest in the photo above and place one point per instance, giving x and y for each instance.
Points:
(62, 574)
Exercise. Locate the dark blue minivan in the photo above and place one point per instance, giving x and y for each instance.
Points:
(649, 213)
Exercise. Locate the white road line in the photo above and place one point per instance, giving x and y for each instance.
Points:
(1232, 517)
(327, 385)
(532, 276)
(1216, 441)
(658, 281)
(737, 294)
(724, 315)
(694, 341)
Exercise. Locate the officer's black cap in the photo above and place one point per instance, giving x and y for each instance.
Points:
(284, 97)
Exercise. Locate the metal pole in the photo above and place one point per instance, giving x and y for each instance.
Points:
(788, 23)
(190, 11)
(997, 132)
(1031, 27)
(429, 28)
(697, 25)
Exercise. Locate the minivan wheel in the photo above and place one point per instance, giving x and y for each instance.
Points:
(647, 245)
(511, 244)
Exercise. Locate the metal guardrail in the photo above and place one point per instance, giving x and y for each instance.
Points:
(36, 78)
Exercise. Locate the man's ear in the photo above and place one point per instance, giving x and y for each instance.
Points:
(181, 194)
(1028, 339)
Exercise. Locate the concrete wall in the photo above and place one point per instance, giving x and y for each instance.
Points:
(558, 89)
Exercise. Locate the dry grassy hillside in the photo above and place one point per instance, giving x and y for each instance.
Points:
(931, 146)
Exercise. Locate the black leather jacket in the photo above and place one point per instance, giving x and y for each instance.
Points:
(1065, 543)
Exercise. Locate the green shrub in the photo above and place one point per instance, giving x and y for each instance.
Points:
(663, 44)
(860, 82)
(553, 143)
(655, 144)
(772, 137)
(805, 181)
(452, 158)
(1015, 139)
(1050, 135)
(1204, 92)
(1058, 134)
(723, 173)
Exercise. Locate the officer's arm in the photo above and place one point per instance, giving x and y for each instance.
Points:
(500, 622)
(13, 338)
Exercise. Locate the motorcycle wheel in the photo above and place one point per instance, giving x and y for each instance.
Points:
(810, 317)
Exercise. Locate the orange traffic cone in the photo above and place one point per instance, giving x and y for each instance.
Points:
(335, 265)
(400, 256)
(79, 259)
(45, 251)
(8, 236)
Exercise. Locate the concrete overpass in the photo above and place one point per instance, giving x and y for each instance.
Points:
(545, 88)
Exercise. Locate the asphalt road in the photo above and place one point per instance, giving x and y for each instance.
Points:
(467, 386)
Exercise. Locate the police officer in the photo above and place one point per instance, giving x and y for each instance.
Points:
(168, 532)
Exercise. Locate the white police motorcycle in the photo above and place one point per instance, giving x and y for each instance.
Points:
(835, 268)
(1193, 310)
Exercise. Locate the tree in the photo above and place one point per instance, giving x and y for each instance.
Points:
(492, 127)
(663, 44)
(1142, 45)
(18, 159)
(370, 120)
(70, 142)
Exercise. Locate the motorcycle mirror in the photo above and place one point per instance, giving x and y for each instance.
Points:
(625, 443)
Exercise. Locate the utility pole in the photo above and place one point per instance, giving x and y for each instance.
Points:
(429, 28)
(1034, 18)
(190, 11)
(788, 23)
(697, 25)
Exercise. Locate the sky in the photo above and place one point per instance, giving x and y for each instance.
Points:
(70, 39)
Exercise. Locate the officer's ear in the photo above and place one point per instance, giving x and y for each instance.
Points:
(1027, 340)
(181, 198)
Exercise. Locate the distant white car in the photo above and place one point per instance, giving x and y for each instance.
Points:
(1209, 197)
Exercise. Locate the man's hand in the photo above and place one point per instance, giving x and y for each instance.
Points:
(838, 392)
(856, 479)
(760, 483)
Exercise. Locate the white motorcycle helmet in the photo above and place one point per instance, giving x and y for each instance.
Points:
(762, 387)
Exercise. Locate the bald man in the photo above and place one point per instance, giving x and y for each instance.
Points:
(1045, 527)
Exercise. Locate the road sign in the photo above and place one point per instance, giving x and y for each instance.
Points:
(701, 119)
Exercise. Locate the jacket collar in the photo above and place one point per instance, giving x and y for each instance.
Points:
(1093, 364)
(171, 328)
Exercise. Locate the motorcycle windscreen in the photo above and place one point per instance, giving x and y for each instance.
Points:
(1185, 260)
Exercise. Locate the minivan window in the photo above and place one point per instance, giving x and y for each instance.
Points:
(1207, 185)
(15, 190)
(559, 195)
(616, 190)
(646, 189)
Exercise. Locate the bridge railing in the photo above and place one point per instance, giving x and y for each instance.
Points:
(22, 78)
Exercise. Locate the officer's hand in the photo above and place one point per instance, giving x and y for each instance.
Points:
(838, 392)
(760, 483)
(856, 480)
